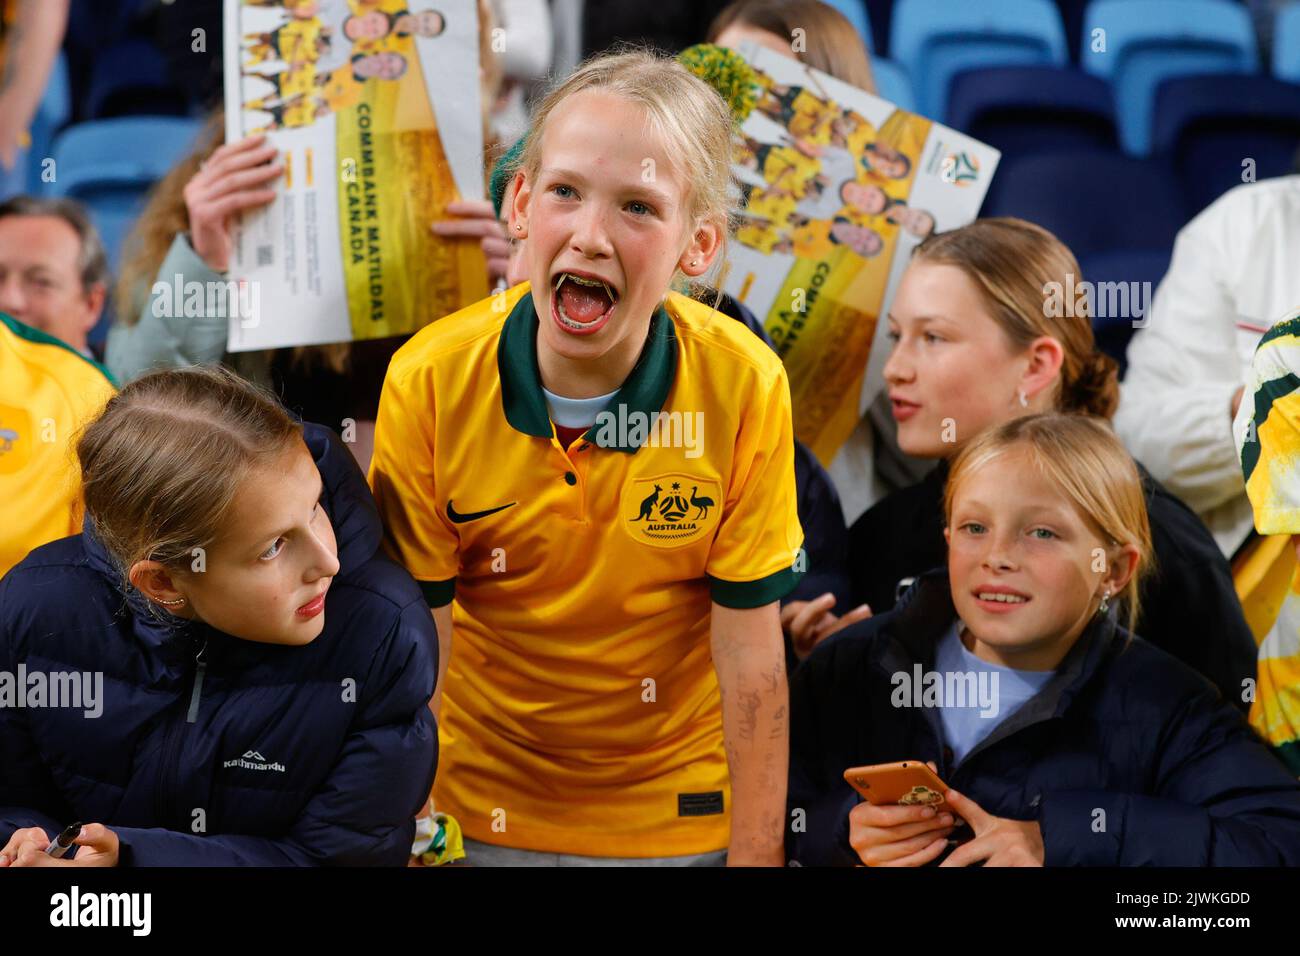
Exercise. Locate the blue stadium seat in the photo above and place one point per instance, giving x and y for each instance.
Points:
(1120, 278)
(1147, 41)
(893, 84)
(1026, 109)
(856, 14)
(111, 164)
(1093, 200)
(1208, 126)
(130, 79)
(1286, 43)
(936, 39)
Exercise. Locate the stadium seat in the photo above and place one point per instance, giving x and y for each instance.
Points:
(1209, 126)
(1286, 43)
(130, 79)
(893, 84)
(856, 14)
(111, 164)
(1147, 41)
(936, 39)
(1120, 280)
(1026, 109)
(1093, 200)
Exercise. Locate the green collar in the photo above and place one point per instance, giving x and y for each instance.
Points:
(645, 389)
(44, 338)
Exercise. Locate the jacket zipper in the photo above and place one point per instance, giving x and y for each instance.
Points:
(195, 694)
(162, 803)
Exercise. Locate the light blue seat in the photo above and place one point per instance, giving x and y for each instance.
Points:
(936, 39)
(856, 14)
(892, 83)
(1286, 43)
(1147, 41)
(110, 165)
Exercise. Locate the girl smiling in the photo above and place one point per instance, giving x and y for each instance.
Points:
(1100, 749)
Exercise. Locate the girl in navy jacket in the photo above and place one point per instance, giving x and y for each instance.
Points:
(1065, 739)
(221, 669)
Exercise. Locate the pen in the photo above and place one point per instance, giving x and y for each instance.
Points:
(63, 842)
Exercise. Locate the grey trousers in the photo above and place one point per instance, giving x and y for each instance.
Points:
(489, 854)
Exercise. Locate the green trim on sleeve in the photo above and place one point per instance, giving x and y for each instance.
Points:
(743, 595)
(438, 593)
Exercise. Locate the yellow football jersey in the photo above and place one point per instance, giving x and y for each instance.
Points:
(1267, 430)
(581, 711)
(48, 390)
(813, 241)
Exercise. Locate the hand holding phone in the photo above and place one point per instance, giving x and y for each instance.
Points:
(904, 821)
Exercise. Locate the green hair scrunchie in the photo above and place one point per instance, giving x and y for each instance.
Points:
(723, 69)
(727, 72)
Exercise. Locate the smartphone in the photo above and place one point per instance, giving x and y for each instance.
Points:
(908, 782)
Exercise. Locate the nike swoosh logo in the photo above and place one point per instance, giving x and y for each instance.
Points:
(458, 518)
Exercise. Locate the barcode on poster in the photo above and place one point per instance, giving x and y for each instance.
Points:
(265, 255)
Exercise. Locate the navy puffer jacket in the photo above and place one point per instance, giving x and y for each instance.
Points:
(1125, 757)
(273, 755)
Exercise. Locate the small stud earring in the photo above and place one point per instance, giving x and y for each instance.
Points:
(695, 262)
(518, 228)
(1024, 402)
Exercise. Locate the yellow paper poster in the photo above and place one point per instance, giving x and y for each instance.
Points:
(838, 186)
(374, 106)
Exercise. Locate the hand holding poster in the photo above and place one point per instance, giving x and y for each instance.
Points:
(838, 187)
(375, 109)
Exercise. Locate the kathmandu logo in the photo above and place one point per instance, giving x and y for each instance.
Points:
(252, 760)
(671, 509)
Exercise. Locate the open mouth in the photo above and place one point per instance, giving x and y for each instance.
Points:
(582, 304)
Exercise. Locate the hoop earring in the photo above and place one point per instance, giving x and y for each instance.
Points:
(1024, 402)
(171, 603)
(1105, 602)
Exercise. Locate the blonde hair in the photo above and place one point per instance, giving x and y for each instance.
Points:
(161, 465)
(1081, 456)
(686, 114)
(1013, 265)
(831, 43)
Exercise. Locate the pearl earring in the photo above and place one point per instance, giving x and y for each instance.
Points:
(1024, 402)
(518, 228)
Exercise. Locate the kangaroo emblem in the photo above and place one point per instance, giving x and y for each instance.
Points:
(648, 504)
(704, 504)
